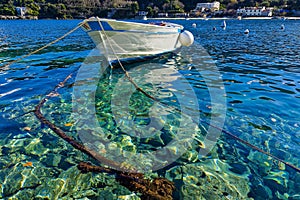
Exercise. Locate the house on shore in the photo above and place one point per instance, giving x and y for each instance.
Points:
(21, 12)
(214, 6)
(255, 12)
(205, 8)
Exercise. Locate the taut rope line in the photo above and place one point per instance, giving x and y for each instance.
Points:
(122, 67)
(47, 45)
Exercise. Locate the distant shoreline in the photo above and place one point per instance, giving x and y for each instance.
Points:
(225, 18)
(3, 17)
(9, 17)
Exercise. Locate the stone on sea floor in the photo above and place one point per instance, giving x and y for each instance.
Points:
(51, 160)
(12, 184)
(83, 194)
(72, 184)
(278, 180)
(210, 179)
(14, 145)
(190, 156)
(75, 180)
(35, 147)
(260, 161)
(261, 191)
(18, 178)
(284, 196)
(23, 194)
(51, 189)
(65, 185)
(129, 197)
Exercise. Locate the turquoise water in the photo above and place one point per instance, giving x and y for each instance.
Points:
(260, 78)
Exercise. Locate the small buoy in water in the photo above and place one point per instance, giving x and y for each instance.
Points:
(282, 27)
(214, 28)
(194, 25)
(186, 38)
(246, 31)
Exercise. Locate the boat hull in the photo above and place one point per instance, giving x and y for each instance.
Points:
(129, 40)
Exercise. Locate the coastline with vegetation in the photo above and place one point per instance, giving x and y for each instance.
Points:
(166, 18)
(80, 9)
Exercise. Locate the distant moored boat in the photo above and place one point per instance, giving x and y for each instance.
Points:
(223, 25)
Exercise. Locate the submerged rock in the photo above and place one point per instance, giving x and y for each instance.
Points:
(51, 160)
(210, 179)
(129, 197)
(23, 194)
(72, 184)
(19, 178)
(51, 189)
(35, 147)
(261, 191)
(262, 163)
(277, 180)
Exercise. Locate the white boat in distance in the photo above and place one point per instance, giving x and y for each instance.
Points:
(223, 25)
(119, 40)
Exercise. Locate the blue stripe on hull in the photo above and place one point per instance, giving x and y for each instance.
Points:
(96, 27)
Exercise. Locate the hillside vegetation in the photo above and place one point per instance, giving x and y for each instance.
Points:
(87, 8)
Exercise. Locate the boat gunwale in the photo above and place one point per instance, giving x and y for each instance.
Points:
(134, 32)
(96, 19)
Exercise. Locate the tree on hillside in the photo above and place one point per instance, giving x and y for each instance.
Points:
(33, 9)
(134, 8)
(294, 4)
(114, 3)
(265, 3)
(233, 4)
(175, 6)
(53, 11)
(7, 7)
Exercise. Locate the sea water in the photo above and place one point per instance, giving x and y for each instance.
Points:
(246, 84)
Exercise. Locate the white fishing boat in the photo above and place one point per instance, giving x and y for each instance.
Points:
(119, 40)
(223, 25)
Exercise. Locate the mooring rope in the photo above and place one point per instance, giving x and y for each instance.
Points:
(43, 47)
(121, 65)
(218, 128)
(257, 148)
(158, 188)
(60, 132)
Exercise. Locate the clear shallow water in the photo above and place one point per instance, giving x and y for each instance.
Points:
(261, 79)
